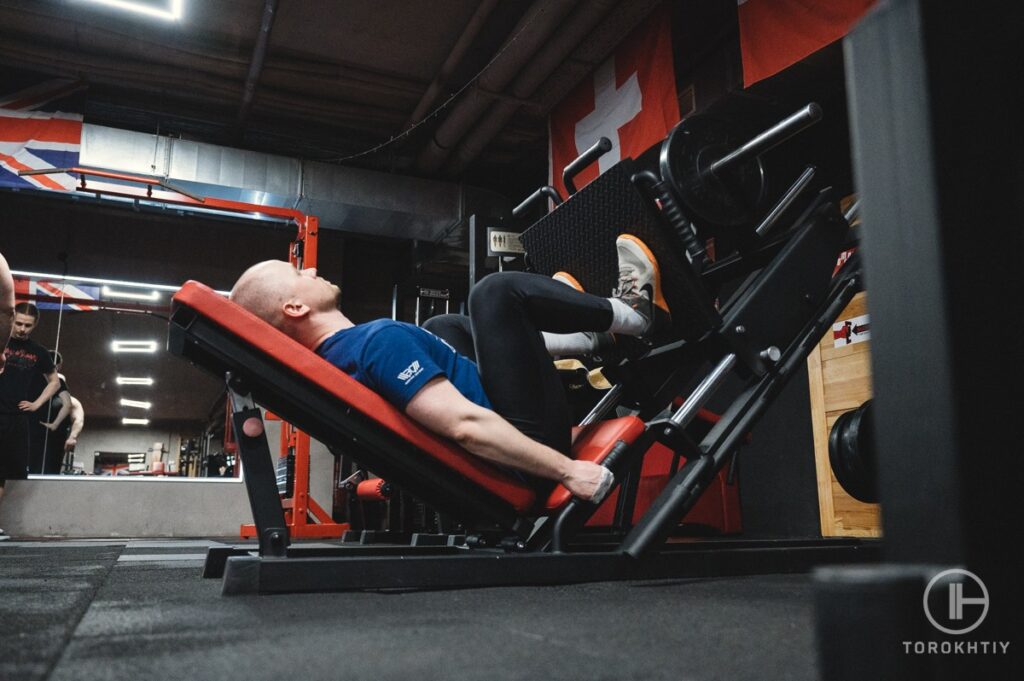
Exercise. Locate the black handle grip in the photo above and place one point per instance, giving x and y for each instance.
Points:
(681, 226)
(545, 191)
(596, 151)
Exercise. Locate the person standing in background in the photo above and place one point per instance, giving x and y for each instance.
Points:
(25, 361)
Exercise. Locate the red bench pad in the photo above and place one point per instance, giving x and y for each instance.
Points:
(595, 443)
(303, 361)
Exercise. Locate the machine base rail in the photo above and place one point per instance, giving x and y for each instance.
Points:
(348, 570)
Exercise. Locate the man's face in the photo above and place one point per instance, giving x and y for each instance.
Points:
(315, 291)
(23, 326)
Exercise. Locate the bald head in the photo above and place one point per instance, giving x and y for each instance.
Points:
(297, 302)
(264, 288)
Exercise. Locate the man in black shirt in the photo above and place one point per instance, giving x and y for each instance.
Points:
(24, 362)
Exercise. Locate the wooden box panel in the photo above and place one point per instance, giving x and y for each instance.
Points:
(840, 380)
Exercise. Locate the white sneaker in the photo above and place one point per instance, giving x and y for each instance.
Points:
(640, 283)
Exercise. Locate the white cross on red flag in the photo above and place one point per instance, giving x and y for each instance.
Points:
(630, 99)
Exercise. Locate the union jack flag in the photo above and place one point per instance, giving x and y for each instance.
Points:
(47, 295)
(33, 139)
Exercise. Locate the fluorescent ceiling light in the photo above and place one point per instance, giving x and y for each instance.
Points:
(171, 13)
(131, 295)
(134, 422)
(94, 280)
(136, 403)
(125, 380)
(133, 346)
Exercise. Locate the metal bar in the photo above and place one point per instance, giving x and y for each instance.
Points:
(596, 151)
(786, 201)
(248, 574)
(217, 556)
(853, 211)
(684, 489)
(260, 481)
(773, 136)
(606, 404)
(546, 190)
(703, 391)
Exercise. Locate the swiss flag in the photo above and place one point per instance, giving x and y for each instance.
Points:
(777, 33)
(630, 99)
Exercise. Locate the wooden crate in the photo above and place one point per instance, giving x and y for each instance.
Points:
(840, 380)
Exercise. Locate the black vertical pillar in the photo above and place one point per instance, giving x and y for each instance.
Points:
(938, 163)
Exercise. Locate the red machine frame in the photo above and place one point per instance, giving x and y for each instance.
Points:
(302, 253)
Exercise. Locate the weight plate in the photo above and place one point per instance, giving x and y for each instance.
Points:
(851, 454)
(728, 199)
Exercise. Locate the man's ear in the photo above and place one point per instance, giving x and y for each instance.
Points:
(294, 309)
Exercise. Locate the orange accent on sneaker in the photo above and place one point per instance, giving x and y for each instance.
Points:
(567, 278)
(659, 298)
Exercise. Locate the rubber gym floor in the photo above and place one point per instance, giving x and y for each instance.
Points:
(132, 609)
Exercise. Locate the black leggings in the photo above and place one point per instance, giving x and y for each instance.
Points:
(507, 312)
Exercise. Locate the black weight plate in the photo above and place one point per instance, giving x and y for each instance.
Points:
(851, 454)
(729, 199)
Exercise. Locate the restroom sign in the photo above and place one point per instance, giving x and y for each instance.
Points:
(503, 243)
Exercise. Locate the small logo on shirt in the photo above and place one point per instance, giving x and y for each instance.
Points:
(410, 372)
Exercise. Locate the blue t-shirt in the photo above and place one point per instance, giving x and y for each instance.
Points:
(395, 360)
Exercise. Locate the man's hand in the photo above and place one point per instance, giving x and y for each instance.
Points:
(3, 361)
(25, 405)
(49, 426)
(69, 444)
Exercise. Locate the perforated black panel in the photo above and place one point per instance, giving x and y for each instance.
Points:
(579, 237)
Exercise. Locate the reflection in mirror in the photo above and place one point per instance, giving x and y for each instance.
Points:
(125, 407)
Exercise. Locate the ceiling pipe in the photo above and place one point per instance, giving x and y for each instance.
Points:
(259, 53)
(469, 34)
(575, 30)
(591, 53)
(530, 35)
(585, 56)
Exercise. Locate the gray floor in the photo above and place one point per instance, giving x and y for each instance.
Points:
(140, 610)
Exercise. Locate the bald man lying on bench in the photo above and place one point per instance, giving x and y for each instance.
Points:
(506, 404)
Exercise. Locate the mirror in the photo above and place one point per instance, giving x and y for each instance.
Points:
(109, 250)
(145, 411)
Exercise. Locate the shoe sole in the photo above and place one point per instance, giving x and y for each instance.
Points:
(659, 298)
(568, 279)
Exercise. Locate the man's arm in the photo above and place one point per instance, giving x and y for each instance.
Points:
(442, 409)
(65, 409)
(77, 423)
(52, 386)
(6, 307)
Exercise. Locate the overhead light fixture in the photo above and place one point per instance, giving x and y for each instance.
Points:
(130, 295)
(134, 422)
(94, 280)
(133, 346)
(170, 10)
(136, 403)
(125, 380)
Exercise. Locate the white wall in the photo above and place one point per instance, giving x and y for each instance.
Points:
(94, 506)
(123, 439)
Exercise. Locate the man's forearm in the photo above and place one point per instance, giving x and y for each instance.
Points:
(491, 437)
(77, 423)
(65, 409)
(49, 391)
